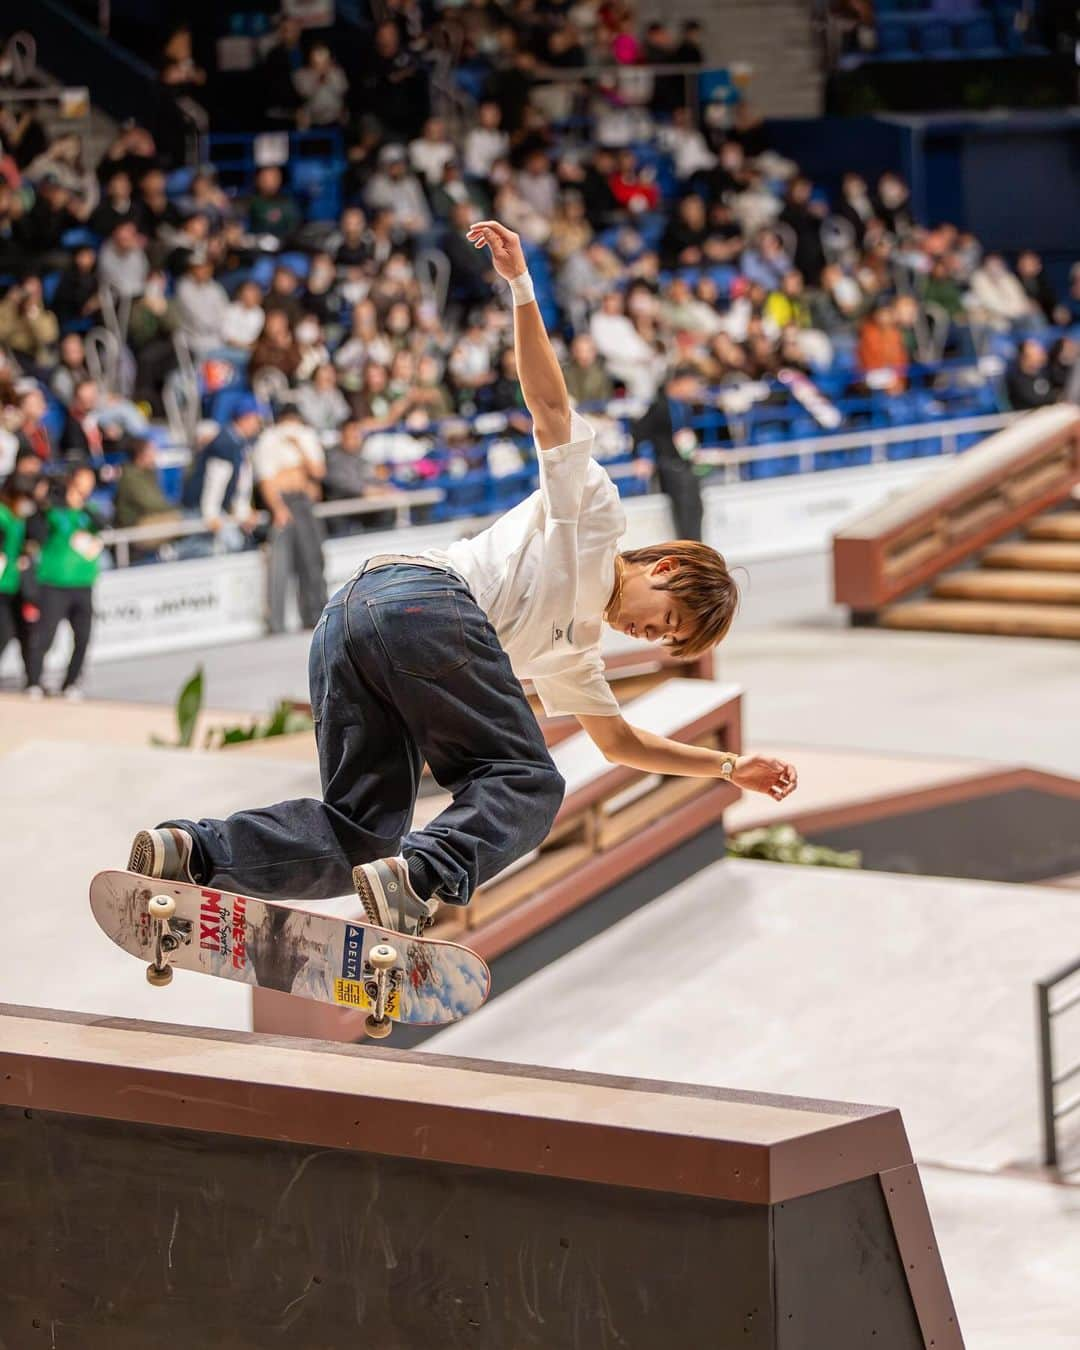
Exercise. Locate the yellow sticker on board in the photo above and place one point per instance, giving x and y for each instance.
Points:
(352, 994)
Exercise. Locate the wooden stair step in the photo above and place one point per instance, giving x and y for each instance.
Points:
(1038, 555)
(1055, 588)
(974, 616)
(1057, 525)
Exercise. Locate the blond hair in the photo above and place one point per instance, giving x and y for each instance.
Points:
(703, 586)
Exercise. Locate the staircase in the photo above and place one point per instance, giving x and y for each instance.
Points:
(1024, 588)
(775, 37)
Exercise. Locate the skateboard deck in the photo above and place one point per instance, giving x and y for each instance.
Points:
(277, 946)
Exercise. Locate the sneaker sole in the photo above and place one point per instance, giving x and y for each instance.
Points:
(371, 897)
(146, 855)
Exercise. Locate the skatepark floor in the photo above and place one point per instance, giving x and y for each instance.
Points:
(856, 986)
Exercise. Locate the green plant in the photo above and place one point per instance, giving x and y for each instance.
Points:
(285, 720)
(783, 843)
(188, 706)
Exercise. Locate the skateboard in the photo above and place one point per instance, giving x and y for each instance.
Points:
(394, 978)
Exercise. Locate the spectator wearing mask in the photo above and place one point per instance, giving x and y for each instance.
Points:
(586, 379)
(66, 572)
(201, 303)
(665, 427)
(321, 404)
(219, 486)
(322, 86)
(892, 204)
(27, 328)
(122, 263)
(76, 296)
(244, 317)
(1027, 381)
(271, 210)
(289, 466)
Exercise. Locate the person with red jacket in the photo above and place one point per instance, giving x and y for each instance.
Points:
(633, 188)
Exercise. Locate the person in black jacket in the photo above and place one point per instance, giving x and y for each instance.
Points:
(666, 427)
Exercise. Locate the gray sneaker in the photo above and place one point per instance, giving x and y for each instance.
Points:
(388, 897)
(164, 853)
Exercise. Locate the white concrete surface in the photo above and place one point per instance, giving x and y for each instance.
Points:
(855, 986)
(70, 810)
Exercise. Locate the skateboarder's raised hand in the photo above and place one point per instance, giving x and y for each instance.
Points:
(507, 255)
(542, 385)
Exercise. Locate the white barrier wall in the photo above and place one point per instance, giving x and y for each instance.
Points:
(202, 602)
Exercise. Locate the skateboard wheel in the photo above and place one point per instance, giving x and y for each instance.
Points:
(383, 956)
(161, 907)
(378, 1030)
(159, 976)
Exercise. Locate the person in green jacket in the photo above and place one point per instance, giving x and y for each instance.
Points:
(17, 509)
(66, 571)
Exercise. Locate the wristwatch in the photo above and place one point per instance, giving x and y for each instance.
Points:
(728, 766)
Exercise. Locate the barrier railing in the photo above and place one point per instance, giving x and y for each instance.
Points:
(401, 503)
(1049, 1082)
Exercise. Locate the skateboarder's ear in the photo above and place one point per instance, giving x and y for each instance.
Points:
(698, 577)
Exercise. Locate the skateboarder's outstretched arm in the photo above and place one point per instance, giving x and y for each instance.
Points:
(542, 383)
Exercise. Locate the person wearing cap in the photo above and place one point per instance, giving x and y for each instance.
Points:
(219, 486)
(420, 657)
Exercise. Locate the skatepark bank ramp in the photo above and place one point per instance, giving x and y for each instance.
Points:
(173, 1187)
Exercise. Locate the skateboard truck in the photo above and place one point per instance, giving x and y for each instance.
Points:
(382, 960)
(161, 908)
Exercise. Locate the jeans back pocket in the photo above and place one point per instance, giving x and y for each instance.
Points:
(422, 635)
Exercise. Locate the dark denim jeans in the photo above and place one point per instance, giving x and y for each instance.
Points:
(404, 667)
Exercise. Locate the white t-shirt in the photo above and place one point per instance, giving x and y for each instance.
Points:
(543, 574)
(289, 445)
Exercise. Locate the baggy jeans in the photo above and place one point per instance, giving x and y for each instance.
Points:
(404, 668)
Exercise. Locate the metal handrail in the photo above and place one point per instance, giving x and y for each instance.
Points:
(401, 503)
(1049, 1082)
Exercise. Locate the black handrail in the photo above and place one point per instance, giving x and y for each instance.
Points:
(1048, 1080)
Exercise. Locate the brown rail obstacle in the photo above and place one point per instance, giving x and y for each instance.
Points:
(176, 1187)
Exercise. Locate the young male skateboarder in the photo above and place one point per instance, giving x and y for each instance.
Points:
(418, 658)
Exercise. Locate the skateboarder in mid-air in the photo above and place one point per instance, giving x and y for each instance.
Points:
(419, 657)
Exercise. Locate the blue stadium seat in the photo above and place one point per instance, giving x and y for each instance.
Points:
(935, 38)
(894, 40)
(79, 237)
(977, 37)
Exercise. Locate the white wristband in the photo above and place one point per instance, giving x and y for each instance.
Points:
(521, 289)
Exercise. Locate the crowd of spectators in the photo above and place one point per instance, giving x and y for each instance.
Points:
(669, 239)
